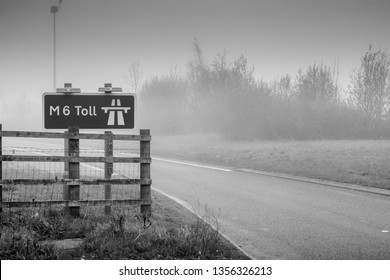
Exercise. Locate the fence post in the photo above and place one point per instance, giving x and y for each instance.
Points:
(1, 172)
(145, 174)
(74, 171)
(66, 151)
(65, 187)
(108, 168)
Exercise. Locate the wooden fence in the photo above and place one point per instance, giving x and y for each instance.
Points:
(72, 159)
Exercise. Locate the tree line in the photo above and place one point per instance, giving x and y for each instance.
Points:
(224, 96)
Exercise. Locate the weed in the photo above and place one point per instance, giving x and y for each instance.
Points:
(26, 236)
(23, 244)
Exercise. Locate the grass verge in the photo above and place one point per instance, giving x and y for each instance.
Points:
(361, 162)
(174, 234)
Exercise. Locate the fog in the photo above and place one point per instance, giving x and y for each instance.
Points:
(242, 82)
(223, 96)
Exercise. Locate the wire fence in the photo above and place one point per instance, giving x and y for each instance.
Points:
(56, 170)
(15, 190)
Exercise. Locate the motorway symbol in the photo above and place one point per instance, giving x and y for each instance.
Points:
(119, 110)
(89, 111)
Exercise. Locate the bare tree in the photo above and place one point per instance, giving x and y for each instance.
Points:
(134, 76)
(316, 84)
(198, 79)
(336, 75)
(282, 87)
(163, 103)
(370, 89)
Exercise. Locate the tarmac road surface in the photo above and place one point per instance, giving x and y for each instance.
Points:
(275, 218)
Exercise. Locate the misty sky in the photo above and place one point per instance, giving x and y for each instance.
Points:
(97, 39)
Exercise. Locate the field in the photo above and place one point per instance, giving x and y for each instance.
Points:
(361, 162)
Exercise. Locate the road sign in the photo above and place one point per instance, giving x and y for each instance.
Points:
(89, 110)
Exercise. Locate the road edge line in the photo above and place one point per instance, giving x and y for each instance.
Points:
(353, 187)
(188, 207)
(197, 164)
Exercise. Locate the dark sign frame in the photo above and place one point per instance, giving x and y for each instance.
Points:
(89, 110)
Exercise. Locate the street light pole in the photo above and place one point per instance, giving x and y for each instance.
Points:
(54, 10)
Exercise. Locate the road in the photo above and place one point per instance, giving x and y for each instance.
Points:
(276, 218)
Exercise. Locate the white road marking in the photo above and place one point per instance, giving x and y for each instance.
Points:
(189, 208)
(179, 201)
(186, 163)
(384, 231)
(193, 164)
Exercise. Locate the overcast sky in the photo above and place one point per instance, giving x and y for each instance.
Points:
(97, 39)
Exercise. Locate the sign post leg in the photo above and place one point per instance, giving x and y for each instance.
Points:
(65, 187)
(145, 174)
(108, 168)
(74, 172)
(66, 151)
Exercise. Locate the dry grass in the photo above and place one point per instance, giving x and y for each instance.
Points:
(362, 162)
(174, 233)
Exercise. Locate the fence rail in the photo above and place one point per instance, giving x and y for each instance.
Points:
(75, 181)
(72, 160)
(76, 159)
(78, 203)
(73, 135)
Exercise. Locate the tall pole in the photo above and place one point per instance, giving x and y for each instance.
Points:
(54, 55)
(54, 10)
